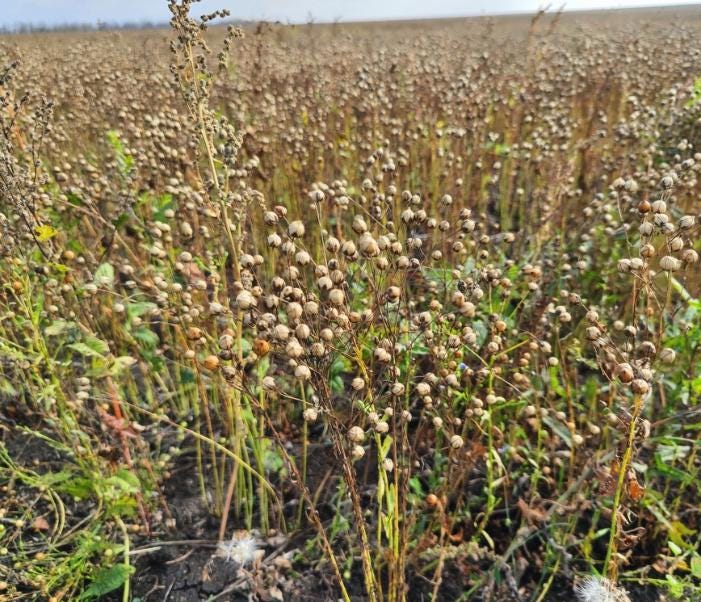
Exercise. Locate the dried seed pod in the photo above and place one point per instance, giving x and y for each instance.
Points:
(211, 362)
(647, 348)
(332, 245)
(359, 226)
(670, 264)
(226, 341)
(245, 300)
(296, 229)
(456, 442)
(337, 296)
(668, 356)
(348, 248)
(690, 256)
(625, 372)
(393, 293)
(310, 414)
(646, 229)
(358, 384)
(397, 389)
(624, 265)
(356, 434)
(381, 427)
(303, 372)
(667, 182)
(686, 222)
(358, 452)
(659, 206)
(281, 332)
(382, 355)
(593, 333)
(640, 386)
(368, 245)
(261, 347)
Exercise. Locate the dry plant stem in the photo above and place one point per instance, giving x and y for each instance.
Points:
(373, 584)
(368, 569)
(610, 565)
(438, 574)
(305, 451)
(210, 429)
(227, 500)
(239, 434)
(215, 444)
(313, 514)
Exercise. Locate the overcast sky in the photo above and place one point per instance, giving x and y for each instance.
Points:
(50, 12)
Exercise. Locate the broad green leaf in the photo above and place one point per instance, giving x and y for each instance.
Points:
(45, 232)
(7, 388)
(57, 327)
(140, 308)
(84, 349)
(696, 566)
(104, 275)
(121, 363)
(146, 337)
(106, 581)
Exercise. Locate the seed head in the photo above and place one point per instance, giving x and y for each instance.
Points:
(668, 356)
(356, 434)
(670, 264)
(296, 229)
(456, 442)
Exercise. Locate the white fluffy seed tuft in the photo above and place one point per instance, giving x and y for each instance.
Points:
(599, 589)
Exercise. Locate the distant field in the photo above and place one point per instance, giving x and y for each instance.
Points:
(393, 311)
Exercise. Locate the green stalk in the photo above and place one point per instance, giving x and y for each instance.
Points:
(610, 567)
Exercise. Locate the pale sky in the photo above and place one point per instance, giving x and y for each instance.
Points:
(51, 12)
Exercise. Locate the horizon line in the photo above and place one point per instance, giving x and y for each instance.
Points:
(99, 25)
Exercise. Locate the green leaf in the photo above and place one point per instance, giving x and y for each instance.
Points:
(59, 267)
(104, 275)
(385, 446)
(187, 376)
(337, 386)
(53, 479)
(125, 161)
(92, 347)
(696, 566)
(146, 337)
(84, 349)
(140, 308)
(125, 480)
(45, 232)
(559, 429)
(80, 488)
(695, 94)
(121, 364)
(7, 388)
(74, 199)
(57, 327)
(677, 532)
(106, 581)
(555, 383)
